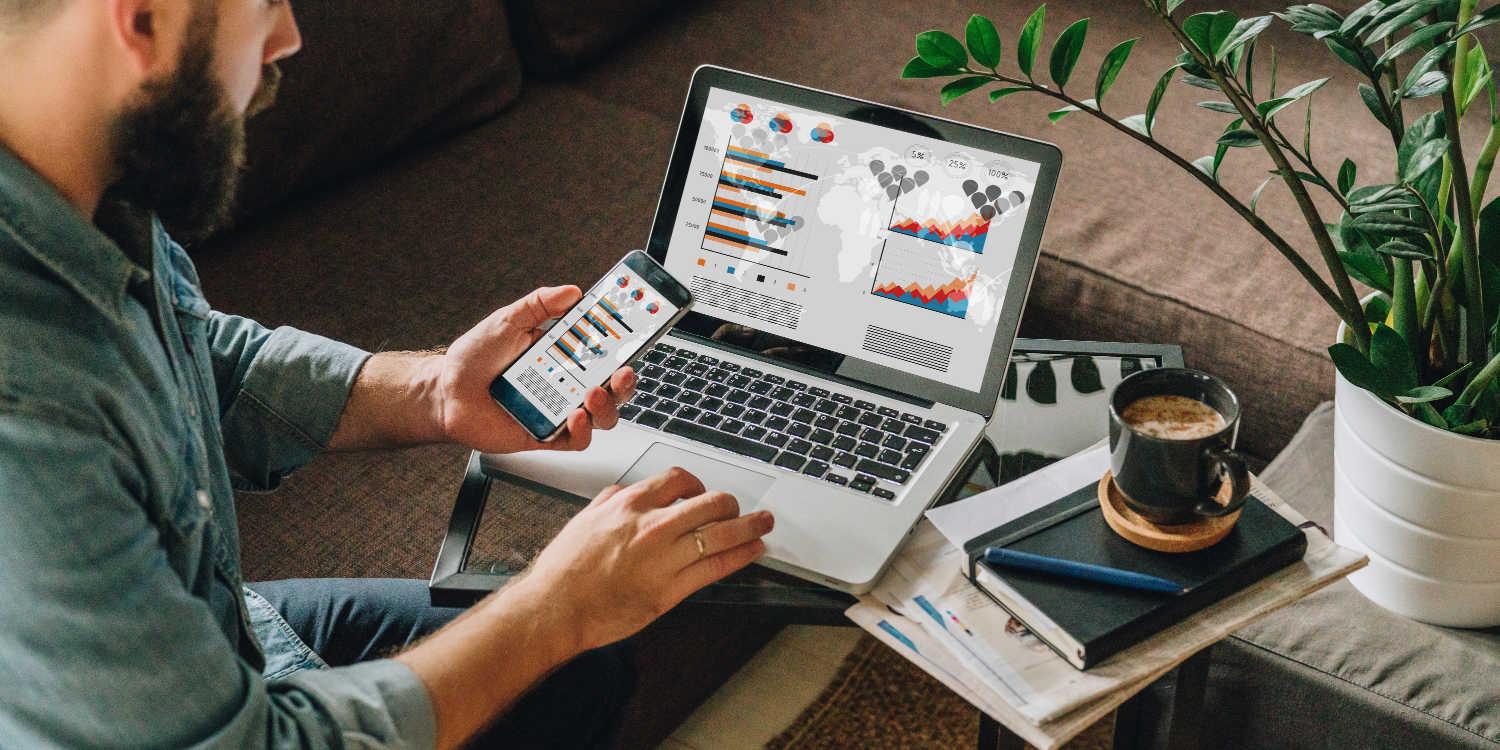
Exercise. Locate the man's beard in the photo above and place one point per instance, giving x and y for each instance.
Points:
(180, 150)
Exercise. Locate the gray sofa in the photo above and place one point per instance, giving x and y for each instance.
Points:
(432, 161)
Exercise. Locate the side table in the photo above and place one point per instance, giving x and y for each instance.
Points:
(1052, 406)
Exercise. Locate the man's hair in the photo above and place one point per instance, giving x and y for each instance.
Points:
(17, 12)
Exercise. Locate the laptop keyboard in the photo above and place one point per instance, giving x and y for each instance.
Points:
(789, 424)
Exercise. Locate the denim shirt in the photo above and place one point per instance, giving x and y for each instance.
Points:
(129, 412)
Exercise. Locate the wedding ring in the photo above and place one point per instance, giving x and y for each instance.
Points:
(702, 548)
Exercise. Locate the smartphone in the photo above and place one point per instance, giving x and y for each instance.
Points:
(622, 315)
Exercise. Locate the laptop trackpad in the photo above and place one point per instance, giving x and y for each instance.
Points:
(747, 486)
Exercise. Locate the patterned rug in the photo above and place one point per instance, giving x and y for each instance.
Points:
(880, 700)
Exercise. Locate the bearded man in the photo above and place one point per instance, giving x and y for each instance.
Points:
(130, 410)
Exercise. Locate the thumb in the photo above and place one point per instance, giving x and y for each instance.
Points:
(511, 329)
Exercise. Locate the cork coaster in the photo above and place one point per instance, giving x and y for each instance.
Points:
(1187, 537)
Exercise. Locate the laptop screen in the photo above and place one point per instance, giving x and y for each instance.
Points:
(892, 246)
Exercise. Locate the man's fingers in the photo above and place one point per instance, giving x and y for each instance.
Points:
(622, 384)
(702, 509)
(665, 488)
(579, 435)
(601, 407)
(723, 535)
(714, 568)
(521, 317)
(605, 494)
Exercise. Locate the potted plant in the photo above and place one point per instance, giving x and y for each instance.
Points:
(1418, 399)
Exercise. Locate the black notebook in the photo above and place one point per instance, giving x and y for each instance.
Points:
(1086, 622)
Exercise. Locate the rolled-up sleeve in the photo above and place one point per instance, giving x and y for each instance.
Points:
(102, 645)
(281, 393)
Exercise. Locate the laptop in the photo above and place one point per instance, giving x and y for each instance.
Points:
(859, 273)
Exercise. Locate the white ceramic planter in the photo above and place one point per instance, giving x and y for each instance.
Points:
(1424, 504)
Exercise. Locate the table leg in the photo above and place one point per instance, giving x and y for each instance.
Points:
(994, 736)
(1182, 718)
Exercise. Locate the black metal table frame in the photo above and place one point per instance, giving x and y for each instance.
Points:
(792, 601)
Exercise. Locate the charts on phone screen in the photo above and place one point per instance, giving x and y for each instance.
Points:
(588, 344)
(865, 240)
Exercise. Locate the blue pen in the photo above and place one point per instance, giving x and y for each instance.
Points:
(1082, 571)
(898, 635)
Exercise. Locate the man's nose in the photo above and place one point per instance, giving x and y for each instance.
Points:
(285, 39)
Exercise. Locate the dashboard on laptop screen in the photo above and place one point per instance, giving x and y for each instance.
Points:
(872, 242)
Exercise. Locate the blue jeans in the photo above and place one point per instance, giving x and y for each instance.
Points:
(350, 620)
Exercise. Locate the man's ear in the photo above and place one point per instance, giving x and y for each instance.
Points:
(137, 28)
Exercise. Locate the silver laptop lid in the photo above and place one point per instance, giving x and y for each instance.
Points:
(853, 239)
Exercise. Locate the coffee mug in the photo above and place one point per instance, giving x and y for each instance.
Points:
(1169, 454)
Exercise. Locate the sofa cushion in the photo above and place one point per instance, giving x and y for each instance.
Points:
(1335, 670)
(559, 36)
(373, 77)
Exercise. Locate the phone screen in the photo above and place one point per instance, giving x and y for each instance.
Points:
(601, 334)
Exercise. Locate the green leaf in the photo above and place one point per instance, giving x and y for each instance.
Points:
(1200, 82)
(1209, 31)
(1477, 75)
(962, 86)
(1303, 89)
(1136, 123)
(1157, 94)
(1031, 35)
(1360, 16)
(997, 94)
(1255, 196)
(1398, 21)
(1373, 194)
(1347, 171)
(1392, 357)
(1358, 370)
(1424, 158)
(1367, 269)
(940, 50)
(1224, 107)
(1172, 5)
(1351, 57)
(1458, 413)
(1426, 128)
(1058, 114)
(1489, 231)
(1424, 394)
(983, 40)
(1114, 60)
(1399, 248)
(1475, 428)
(1433, 82)
(1066, 49)
(1396, 203)
(1413, 40)
(1388, 224)
(1209, 165)
(1242, 32)
(1426, 63)
(1480, 20)
(918, 68)
(1311, 18)
(1448, 379)
(1239, 139)
(1373, 103)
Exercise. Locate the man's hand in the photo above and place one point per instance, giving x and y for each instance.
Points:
(471, 417)
(631, 555)
(412, 398)
(616, 566)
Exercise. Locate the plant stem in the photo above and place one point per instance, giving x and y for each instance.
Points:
(1355, 316)
(1485, 165)
(1481, 379)
(1258, 224)
(1474, 328)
